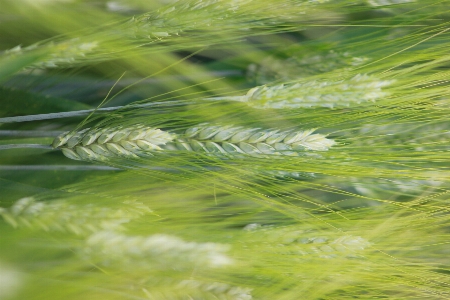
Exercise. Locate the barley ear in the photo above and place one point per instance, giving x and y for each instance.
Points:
(104, 143)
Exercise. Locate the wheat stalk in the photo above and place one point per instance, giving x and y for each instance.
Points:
(139, 140)
(85, 112)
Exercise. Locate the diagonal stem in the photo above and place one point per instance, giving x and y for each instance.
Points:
(79, 113)
(15, 146)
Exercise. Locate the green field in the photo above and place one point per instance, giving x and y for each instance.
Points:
(224, 149)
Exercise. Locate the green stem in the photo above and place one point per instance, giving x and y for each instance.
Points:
(30, 133)
(15, 146)
(79, 113)
(57, 167)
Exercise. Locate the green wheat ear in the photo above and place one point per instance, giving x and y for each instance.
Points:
(100, 144)
(159, 251)
(300, 65)
(365, 220)
(64, 216)
(382, 3)
(293, 240)
(171, 23)
(310, 94)
(139, 140)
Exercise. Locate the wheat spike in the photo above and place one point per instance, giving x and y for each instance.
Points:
(378, 3)
(196, 289)
(383, 188)
(155, 251)
(99, 144)
(347, 246)
(61, 54)
(165, 24)
(217, 289)
(361, 88)
(292, 240)
(232, 140)
(301, 65)
(65, 217)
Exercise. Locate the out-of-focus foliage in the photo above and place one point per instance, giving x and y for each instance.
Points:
(224, 149)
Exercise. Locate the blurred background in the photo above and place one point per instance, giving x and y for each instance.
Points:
(367, 219)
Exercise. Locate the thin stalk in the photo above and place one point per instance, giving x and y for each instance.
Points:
(15, 146)
(79, 113)
(57, 168)
(30, 133)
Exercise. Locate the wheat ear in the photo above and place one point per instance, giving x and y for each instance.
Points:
(382, 3)
(232, 140)
(196, 289)
(64, 216)
(155, 251)
(165, 24)
(292, 240)
(215, 290)
(310, 94)
(301, 65)
(99, 144)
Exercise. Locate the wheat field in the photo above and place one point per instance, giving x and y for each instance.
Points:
(224, 149)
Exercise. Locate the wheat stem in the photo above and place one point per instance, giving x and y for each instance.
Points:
(57, 168)
(80, 113)
(30, 133)
(16, 146)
